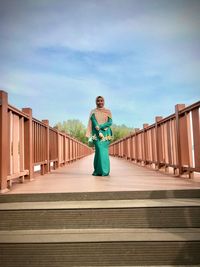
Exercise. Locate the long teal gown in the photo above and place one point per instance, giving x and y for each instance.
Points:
(101, 158)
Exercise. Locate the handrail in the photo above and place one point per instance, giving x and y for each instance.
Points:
(26, 142)
(173, 141)
(17, 111)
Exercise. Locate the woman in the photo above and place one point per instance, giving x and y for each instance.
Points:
(99, 123)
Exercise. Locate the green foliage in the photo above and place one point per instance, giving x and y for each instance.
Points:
(77, 129)
(120, 131)
(74, 128)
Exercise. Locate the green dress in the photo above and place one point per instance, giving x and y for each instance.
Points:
(101, 158)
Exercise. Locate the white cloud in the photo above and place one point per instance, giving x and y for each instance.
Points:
(98, 26)
(156, 43)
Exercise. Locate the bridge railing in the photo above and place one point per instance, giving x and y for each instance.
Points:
(26, 142)
(173, 141)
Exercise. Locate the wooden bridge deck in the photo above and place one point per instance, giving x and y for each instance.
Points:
(124, 176)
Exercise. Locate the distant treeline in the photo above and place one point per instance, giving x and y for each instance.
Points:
(77, 129)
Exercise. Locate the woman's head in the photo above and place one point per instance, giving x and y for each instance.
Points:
(100, 101)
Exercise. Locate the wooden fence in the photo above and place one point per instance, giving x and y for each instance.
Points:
(173, 141)
(26, 142)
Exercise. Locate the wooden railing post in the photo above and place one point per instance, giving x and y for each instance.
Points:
(4, 145)
(125, 147)
(28, 143)
(58, 151)
(145, 125)
(178, 107)
(47, 166)
(131, 147)
(72, 150)
(78, 150)
(158, 140)
(65, 148)
(196, 137)
(136, 144)
(75, 144)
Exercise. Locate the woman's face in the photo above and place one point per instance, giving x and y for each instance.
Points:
(100, 102)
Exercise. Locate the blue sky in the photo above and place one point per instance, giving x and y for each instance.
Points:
(142, 56)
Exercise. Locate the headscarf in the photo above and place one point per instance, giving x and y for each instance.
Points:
(101, 115)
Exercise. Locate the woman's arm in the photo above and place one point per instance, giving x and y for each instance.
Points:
(94, 121)
(106, 124)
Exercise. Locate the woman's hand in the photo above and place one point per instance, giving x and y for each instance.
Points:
(97, 128)
(101, 135)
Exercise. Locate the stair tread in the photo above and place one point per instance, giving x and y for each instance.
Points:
(100, 235)
(97, 204)
(100, 195)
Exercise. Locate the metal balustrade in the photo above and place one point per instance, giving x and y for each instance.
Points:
(173, 141)
(26, 142)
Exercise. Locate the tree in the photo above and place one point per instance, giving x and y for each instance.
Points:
(74, 128)
(120, 131)
(77, 129)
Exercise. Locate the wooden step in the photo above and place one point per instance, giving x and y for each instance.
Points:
(100, 247)
(100, 235)
(136, 213)
(112, 195)
(143, 228)
(100, 204)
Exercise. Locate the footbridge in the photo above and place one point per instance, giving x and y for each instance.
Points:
(53, 212)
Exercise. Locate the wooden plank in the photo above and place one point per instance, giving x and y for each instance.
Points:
(21, 144)
(47, 145)
(16, 175)
(28, 145)
(178, 108)
(184, 140)
(10, 142)
(4, 141)
(15, 143)
(196, 136)
(124, 176)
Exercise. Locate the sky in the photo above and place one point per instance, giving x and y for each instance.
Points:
(143, 56)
